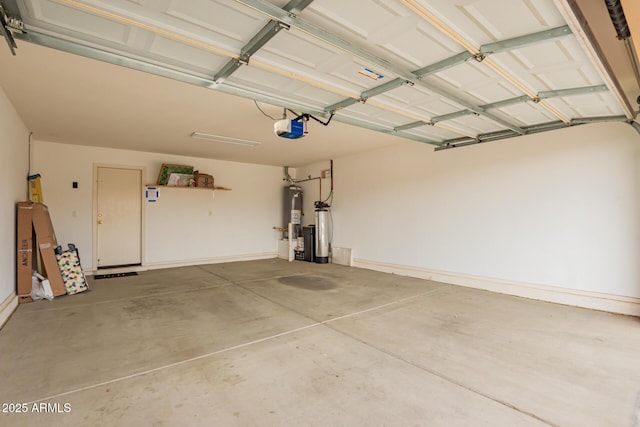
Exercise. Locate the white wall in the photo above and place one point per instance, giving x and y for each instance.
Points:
(184, 226)
(559, 209)
(14, 165)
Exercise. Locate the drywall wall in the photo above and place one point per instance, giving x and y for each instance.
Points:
(184, 226)
(559, 209)
(14, 161)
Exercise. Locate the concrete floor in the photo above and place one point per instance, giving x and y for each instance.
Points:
(271, 343)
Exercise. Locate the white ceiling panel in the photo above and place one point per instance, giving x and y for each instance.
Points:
(188, 56)
(546, 66)
(589, 105)
(221, 20)
(297, 91)
(418, 102)
(474, 124)
(390, 30)
(365, 19)
(433, 132)
(53, 15)
(308, 52)
(418, 48)
(528, 113)
(478, 80)
(322, 98)
(506, 19)
(305, 57)
(485, 21)
(373, 114)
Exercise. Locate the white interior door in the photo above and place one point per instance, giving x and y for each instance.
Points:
(119, 216)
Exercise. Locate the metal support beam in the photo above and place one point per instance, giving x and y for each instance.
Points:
(4, 31)
(472, 107)
(451, 116)
(388, 131)
(390, 85)
(459, 38)
(506, 102)
(526, 40)
(340, 105)
(386, 87)
(495, 47)
(296, 6)
(411, 125)
(541, 127)
(599, 119)
(276, 13)
(259, 40)
(227, 69)
(572, 91)
(443, 65)
(524, 98)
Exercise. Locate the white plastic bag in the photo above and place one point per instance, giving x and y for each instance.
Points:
(40, 288)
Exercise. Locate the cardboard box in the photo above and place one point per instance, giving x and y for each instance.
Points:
(203, 180)
(47, 244)
(47, 248)
(42, 222)
(24, 246)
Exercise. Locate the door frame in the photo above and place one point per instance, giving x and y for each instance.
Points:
(94, 216)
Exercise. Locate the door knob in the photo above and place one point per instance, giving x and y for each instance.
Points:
(100, 221)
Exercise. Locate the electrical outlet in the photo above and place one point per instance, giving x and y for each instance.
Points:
(326, 173)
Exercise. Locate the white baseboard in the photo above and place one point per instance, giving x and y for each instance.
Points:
(7, 307)
(185, 263)
(593, 300)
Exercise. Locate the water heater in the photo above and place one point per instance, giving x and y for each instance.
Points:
(292, 210)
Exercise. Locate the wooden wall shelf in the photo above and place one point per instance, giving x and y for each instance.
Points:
(188, 188)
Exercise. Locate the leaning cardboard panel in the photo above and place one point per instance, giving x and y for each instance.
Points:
(25, 256)
(47, 243)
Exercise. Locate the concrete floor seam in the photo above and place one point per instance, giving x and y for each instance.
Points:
(193, 359)
(328, 322)
(322, 322)
(172, 365)
(201, 268)
(441, 376)
(398, 301)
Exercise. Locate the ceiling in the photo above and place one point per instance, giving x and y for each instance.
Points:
(144, 75)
